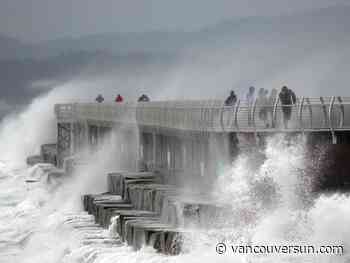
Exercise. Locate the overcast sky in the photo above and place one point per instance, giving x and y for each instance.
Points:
(36, 20)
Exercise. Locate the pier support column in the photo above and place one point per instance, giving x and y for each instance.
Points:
(163, 152)
(145, 151)
(63, 142)
(154, 151)
(157, 151)
(131, 147)
(73, 138)
(177, 154)
(85, 142)
(93, 138)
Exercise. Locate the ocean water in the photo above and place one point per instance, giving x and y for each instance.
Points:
(269, 191)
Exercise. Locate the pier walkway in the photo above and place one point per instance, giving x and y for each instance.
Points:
(308, 114)
(87, 123)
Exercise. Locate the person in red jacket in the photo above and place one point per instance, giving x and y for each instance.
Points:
(119, 98)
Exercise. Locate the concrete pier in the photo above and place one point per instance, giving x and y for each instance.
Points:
(178, 147)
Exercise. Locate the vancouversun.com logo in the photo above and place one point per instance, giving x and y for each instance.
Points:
(223, 248)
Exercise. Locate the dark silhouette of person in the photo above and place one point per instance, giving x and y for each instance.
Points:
(231, 100)
(119, 98)
(250, 100)
(99, 98)
(263, 105)
(143, 98)
(250, 96)
(271, 102)
(288, 99)
(232, 137)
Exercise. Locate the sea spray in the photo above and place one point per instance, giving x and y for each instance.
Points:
(261, 187)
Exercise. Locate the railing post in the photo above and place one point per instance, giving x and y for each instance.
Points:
(73, 128)
(326, 117)
(300, 113)
(330, 116)
(310, 111)
(233, 116)
(222, 117)
(154, 151)
(207, 120)
(274, 112)
(236, 114)
(342, 112)
(86, 135)
(212, 112)
(203, 117)
(252, 112)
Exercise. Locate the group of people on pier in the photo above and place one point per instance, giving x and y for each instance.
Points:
(119, 98)
(266, 102)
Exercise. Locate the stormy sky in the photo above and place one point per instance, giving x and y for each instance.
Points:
(36, 20)
(308, 50)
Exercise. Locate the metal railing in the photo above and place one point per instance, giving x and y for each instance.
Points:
(324, 113)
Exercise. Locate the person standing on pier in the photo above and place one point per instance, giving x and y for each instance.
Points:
(99, 98)
(232, 136)
(288, 99)
(263, 106)
(119, 98)
(231, 100)
(143, 98)
(250, 101)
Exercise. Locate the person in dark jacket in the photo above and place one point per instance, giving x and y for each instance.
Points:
(99, 98)
(288, 99)
(119, 98)
(143, 98)
(250, 97)
(231, 100)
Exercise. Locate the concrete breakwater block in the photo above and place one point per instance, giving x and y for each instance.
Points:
(135, 227)
(147, 212)
(124, 216)
(191, 211)
(35, 159)
(48, 154)
(104, 241)
(161, 237)
(136, 231)
(116, 181)
(121, 213)
(177, 207)
(100, 205)
(102, 211)
(89, 233)
(166, 241)
(45, 173)
(142, 196)
(124, 225)
(90, 201)
(142, 189)
(128, 183)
